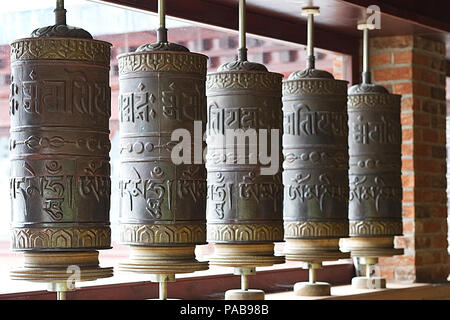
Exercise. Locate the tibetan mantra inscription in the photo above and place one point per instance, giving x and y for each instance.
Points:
(375, 207)
(59, 145)
(161, 203)
(315, 156)
(244, 206)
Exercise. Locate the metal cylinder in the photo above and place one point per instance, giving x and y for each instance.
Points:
(162, 203)
(375, 208)
(315, 167)
(59, 144)
(244, 204)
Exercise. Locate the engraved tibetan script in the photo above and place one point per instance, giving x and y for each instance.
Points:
(154, 193)
(384, 131)
(179, 103)
(221, 119)
(303, 121)
(219, 195)
(316, 191)
(76, 94)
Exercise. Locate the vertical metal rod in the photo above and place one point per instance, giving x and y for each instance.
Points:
(310, 43)
(312, 275)
(163, 290)
(368, 270)
(366, 68)
(61, 295)
(162, 14)
(242, 52)
(60, 13)
(161, 34)
(244, 282)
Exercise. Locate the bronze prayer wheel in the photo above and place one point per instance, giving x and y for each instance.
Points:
(244, 206)
(375, 208)
(315, 174)
(162, 207)
(375, 201)
(59, 150)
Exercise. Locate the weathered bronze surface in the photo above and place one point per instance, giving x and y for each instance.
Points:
(243, 206)
(161, 90)
(59, 144)
(375, 207)
(315, 175)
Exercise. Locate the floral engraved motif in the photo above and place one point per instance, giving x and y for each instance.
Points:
(264, 231)
(160, 233)
(314, 86)
(235, 80)
(375, 227)
(389, 101)
(294, 229)
(64, 49)
(162, 61)
(67, 238)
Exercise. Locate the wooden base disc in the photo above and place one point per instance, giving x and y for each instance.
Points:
(315, 289)
(371, 246)
(163, 260)
(369, 283)
(239, 294)
(313, 250)
(60, 266)
(245, 255)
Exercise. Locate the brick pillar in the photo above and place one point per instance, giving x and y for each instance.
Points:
(415, 68)
(338, 70)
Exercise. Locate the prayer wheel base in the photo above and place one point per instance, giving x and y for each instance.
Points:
(369, 283)
(370, 247)
(245, 255)
(312, 289)
(58, 268)
(239, 294)
(163, 260)
(313, 250)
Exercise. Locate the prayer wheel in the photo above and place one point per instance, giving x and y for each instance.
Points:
(375, 202)
(59, 150)
(162, 200)
(315, 167)
(244, 201)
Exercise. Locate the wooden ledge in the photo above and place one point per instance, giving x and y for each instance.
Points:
(394, 291)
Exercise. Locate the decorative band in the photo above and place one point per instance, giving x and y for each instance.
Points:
(142, 234)
(315, 86)
(255, 232)
(61, 49)
(375, 101)
(162, 61)
(61, 238)
(315, 229)
(268, 81)
(375, 228)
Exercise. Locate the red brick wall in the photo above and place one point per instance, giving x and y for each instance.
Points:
(415, 68)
